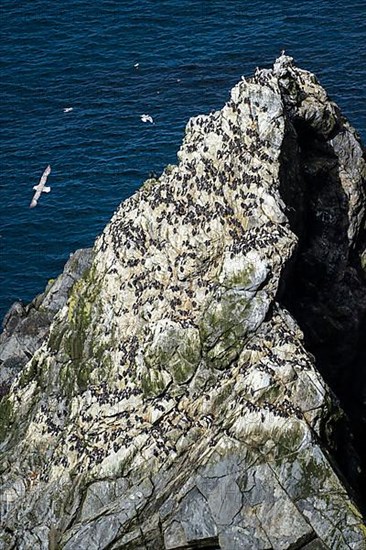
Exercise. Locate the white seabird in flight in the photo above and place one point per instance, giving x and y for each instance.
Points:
(68, 109)
(40, 188)
(147, 118)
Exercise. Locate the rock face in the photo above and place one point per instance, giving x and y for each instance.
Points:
(26, 327)
(175, 403)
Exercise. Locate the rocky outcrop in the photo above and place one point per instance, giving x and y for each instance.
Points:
(25, 327)
(175, 402)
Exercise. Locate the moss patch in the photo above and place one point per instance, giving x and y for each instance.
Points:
(154, 382)
(226, 390)
(222, 316)
(28, 374)
(184, 362)
(241, 278)
(6, 415)
(223, 327)
(78, 339)
(56, 335)
(177, 351)
(181, 371)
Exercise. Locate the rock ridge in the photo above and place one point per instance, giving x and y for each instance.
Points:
(25, 327)
(176, 401)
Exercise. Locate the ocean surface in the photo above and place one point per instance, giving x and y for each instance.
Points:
(84, 54)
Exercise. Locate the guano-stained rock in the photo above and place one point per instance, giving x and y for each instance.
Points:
(174, 402)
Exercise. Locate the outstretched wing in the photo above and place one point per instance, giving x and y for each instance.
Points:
(45, 175)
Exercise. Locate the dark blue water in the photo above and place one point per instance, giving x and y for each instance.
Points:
(81, 54)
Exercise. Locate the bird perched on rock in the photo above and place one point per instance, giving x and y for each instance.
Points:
(41, 187)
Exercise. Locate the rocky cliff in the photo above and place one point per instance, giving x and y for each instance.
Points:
(178, 398)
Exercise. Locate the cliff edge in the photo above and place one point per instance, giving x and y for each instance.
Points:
(178, 397)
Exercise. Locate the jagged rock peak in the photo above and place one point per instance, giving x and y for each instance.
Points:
(174, 403)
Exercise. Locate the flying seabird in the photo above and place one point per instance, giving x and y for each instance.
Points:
(68, 109)
(147, 118)
(41, 187)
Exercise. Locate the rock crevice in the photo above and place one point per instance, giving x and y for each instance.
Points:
(326, 290)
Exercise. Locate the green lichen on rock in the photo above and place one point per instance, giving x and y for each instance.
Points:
(6, 413)
(223, 327)
(67, 379)
(83, 297)
(228, 319)
(244, 272)
(222, 395)
(83, 375)
(316, 474)
(223, 318)
(80, 305)
(181, 371)
(28, 374)
(176, 349)
(56, 335)
(288, 438)
(240, 278)
(154, 382)
(183, 363)
(162, 348)
(77, 336)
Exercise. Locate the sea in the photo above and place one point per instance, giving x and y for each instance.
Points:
(76, 76)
